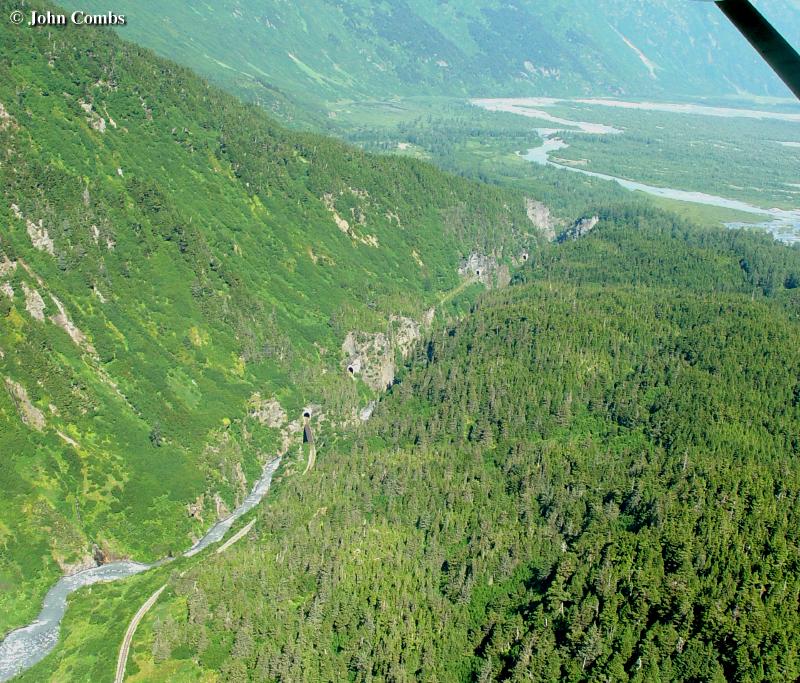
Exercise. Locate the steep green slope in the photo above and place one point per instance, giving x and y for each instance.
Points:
(171, 261)
(594, 476)
(322, 51)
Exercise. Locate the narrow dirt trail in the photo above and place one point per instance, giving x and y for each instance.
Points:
(308, 437)
(312, 458)
(122, 660)
(455, 292)
(124, 650)
(236, 537)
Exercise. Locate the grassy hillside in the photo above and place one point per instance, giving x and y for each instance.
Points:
(593, 476)
(171, 261)
(297, 58)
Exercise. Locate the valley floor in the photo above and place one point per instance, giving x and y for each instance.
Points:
(710, 155)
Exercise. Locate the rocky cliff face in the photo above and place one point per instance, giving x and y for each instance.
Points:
(371, 356)
(485, 269)
(579, 229)
(542, 219)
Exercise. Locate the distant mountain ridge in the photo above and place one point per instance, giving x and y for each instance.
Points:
(321, 50)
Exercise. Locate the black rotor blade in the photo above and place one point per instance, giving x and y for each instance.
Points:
(771, 45)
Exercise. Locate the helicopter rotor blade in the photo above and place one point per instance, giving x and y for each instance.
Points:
(770, 44)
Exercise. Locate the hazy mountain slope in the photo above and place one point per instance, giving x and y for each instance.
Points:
(170, 260)
(325, 50)
(593, 476)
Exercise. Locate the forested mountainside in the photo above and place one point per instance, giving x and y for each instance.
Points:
(295, 57)
(594, 476)
(177, 277)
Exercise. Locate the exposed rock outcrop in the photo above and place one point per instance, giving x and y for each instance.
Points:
(99, 295)
(405, 333)
(7, 267)
(540, 216)
(195, 509)
(70, 568)
(268, 412)
(34, 303)
(66, 439)
(372, 355)
(40, 238)
(6, 120)
(486, 270)
(581, 228)
(366, 412)
(28, 413)
(99, 555)
(358, 216)
(221, 510)
(63, 321)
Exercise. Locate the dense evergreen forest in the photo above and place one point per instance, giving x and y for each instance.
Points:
(592, 476)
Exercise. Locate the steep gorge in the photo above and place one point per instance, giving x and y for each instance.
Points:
(166, 254)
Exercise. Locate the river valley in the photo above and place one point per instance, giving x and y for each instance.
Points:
(783, 224)
(28, 645)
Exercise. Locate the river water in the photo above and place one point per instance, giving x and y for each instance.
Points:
(28, 645)
(782, 224)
